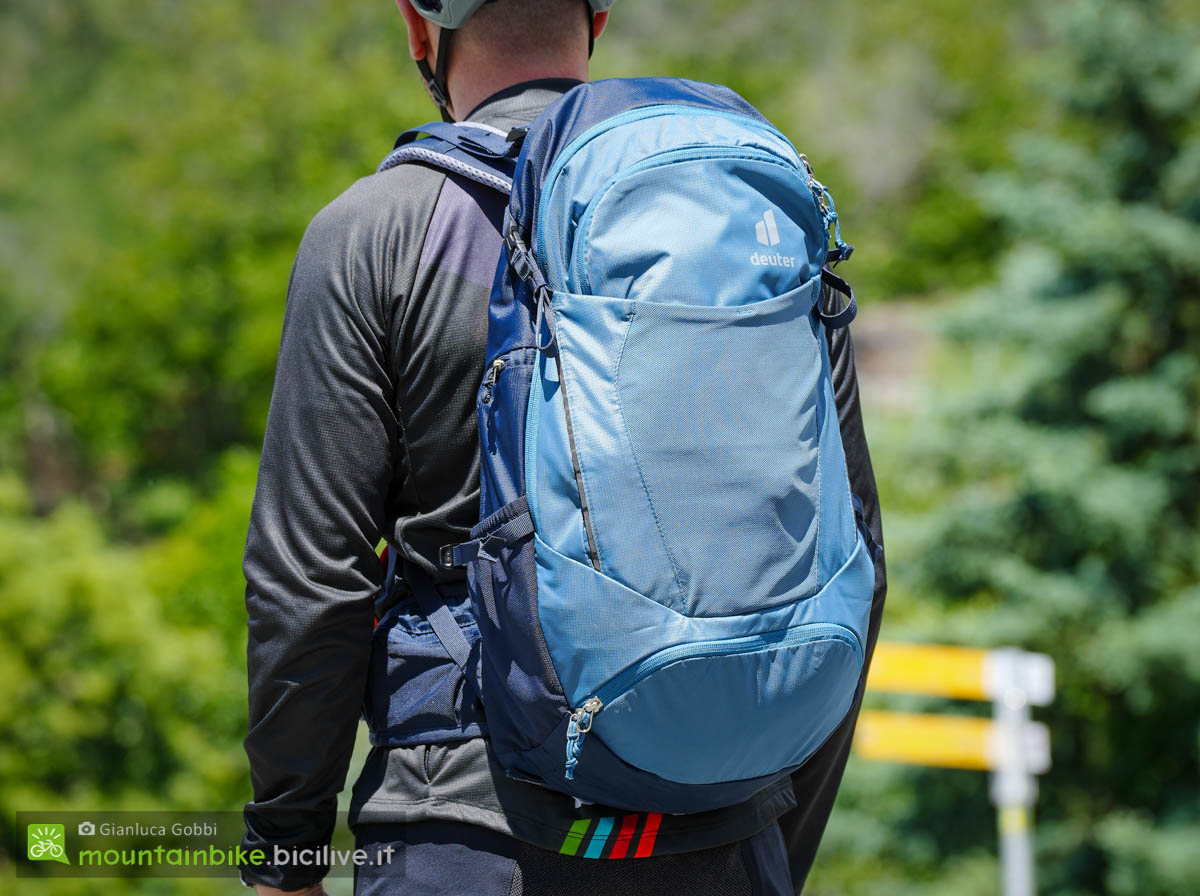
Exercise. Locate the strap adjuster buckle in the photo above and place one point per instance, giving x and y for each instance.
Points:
(446, 556)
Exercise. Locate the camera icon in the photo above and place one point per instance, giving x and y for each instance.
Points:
(87, 829)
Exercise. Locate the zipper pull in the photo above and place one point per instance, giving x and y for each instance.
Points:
(577, 729)
(490, 378)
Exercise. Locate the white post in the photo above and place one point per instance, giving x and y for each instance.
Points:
(1022, 749)
(1013, 792)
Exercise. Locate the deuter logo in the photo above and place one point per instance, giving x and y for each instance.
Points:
(768, 235)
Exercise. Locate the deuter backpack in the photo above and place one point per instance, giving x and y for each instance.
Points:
(670, 577)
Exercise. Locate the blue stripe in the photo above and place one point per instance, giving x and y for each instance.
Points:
(596, 846)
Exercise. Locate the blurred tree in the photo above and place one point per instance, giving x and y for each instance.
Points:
(160, 162)
(1074, 443)
(898, 108)
(104, 703)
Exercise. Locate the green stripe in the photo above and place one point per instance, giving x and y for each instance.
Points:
(574, 837)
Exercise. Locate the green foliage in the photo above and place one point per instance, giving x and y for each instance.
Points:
(161, 181)
(104, 702)
(897, 107)
(1070, 442)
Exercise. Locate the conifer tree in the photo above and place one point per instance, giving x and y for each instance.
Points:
(1074, 446)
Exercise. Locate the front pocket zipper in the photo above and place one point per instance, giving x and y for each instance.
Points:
(662, 159)
(628, 117)
(582, 718)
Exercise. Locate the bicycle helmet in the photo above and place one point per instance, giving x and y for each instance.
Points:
(451, 14)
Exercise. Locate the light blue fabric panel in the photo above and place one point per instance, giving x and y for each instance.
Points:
(595, 627)
(696, 430)
(779, 705)
(590, 343)
(589, 163)
(685, 227)
(549, 475)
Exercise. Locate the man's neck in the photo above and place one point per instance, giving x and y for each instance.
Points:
(469, 89)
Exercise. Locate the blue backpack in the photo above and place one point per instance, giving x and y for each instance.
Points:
(670, 577)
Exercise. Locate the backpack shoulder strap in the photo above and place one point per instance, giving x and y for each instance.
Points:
(475, 152)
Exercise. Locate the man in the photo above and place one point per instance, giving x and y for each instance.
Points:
(372, 433)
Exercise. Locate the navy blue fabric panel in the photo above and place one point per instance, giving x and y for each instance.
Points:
(604, 778)
(502, 410)
(521, 691)
(511, 311)
(415, 693)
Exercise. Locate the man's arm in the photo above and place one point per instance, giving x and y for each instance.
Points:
(816, 782)
(310, 562)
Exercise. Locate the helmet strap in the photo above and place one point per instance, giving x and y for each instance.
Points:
(436, 81)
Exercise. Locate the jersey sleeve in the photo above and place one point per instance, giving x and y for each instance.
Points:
(318, 513)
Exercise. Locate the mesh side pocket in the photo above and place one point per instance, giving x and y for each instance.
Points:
(521, 691)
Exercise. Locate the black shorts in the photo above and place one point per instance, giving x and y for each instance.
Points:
(447, 859)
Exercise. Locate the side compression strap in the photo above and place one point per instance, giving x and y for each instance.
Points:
(487, 547)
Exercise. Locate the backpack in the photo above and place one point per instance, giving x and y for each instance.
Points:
(670, 575)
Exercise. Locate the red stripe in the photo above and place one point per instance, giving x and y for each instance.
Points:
(624, 837)
(649, 832)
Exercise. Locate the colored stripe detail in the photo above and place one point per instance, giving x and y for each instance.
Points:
(624, 837)
(599, 838)
(646, 845)
(570, 844)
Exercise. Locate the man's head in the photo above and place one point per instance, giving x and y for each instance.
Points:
(497, 43)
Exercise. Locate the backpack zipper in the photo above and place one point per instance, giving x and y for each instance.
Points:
(628, 117)
(582, 718)
(490, 378)
(671, 157)
(577, 728)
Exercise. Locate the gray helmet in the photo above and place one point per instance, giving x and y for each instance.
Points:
(452, 13)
